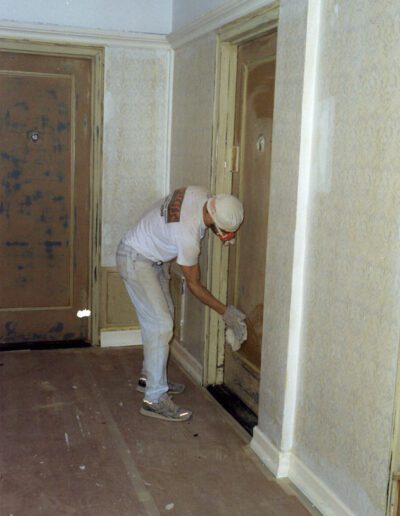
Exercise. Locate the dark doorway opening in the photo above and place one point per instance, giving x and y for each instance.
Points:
(234, 406)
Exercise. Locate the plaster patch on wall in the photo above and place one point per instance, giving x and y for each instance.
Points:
(135, 139)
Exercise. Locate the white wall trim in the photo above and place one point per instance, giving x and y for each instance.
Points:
(60, 34)
(275, 460)
(215, 19)
(187, 361)
(316, 491)
(285, 464)
(120, 338)
(301, 231)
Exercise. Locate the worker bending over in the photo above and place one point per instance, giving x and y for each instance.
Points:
(173, 228)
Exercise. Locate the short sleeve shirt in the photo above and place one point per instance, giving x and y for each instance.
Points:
(172, 228)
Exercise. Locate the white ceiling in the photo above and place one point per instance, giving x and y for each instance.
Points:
(185, 11)
(148, 16)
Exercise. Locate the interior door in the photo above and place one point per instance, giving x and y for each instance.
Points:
(45, 152)
(246, 276)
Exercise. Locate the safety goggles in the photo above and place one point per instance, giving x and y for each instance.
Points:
(224, 236)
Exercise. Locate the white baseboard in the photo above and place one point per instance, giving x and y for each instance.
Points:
(276, 461)
(285, 464)
(187, 361)
(120, 338)
(319, 494)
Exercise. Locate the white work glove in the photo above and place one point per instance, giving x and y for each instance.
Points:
(234, 319)
(232, 315)
(232, 340)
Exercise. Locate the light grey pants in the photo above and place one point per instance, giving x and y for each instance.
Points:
(147, 284)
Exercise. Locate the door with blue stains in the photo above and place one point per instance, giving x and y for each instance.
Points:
(45, 152)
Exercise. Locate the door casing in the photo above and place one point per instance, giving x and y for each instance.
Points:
(229, 38)
(96, 56)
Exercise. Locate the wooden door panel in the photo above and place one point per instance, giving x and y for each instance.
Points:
(36, 192)
(44, 199)
(246, 278)
(255, 146)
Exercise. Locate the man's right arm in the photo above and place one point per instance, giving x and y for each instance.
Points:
(233, 317)
(193, 280)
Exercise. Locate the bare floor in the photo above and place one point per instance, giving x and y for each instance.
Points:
(73, 442)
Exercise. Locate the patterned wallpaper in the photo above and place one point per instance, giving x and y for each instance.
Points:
(194, 71)
(352, 304)
(351, 307)
(135, 129)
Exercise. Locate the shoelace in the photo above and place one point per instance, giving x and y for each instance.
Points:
(174, 408)
(169, 403)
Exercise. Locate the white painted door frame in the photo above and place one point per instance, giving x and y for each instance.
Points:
(229, 38)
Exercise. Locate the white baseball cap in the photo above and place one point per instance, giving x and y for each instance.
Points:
(226, 211)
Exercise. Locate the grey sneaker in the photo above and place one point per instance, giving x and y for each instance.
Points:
(165, 409)
(173, 388)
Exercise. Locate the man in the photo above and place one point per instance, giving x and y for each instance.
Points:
(173, 228)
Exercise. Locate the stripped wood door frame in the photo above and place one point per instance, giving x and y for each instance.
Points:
(96, 55)
(229, 37)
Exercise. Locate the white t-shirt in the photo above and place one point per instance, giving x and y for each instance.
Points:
(172, 228)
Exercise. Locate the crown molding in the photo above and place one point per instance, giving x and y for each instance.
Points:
(209, 22)
(60, 34)
(216, 19)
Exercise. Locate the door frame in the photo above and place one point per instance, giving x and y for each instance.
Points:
(96, 55)
(229, 37)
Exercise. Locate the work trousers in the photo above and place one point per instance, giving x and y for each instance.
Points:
(147, 284)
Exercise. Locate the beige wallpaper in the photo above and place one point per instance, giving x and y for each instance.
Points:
(352, 304)
(135, 139)
(194, 71)
(351, 298)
